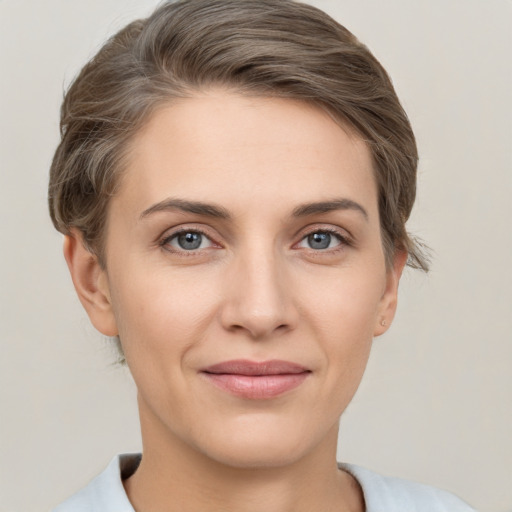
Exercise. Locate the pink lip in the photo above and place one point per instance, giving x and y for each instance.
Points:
(256, 380)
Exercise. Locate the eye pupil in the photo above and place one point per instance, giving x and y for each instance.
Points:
(190, 241)
(319, 240)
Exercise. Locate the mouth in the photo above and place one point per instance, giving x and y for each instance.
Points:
(256, 380)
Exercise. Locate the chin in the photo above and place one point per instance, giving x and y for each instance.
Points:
(259, 443)
(254, 455)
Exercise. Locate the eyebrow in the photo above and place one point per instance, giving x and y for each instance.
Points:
(329, 206)
(215, 211)
(197, 207)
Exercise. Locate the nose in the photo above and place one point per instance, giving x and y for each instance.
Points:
(258, 301)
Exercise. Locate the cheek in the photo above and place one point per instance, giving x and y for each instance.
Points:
(344, 304)
(161, 313)
(343, 318)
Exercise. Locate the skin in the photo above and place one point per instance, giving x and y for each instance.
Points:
(255, 289)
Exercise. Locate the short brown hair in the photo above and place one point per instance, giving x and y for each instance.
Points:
(275, 48)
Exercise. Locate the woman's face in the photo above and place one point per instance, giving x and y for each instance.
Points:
(246, 276)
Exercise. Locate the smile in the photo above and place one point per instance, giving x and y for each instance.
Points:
(256, 380)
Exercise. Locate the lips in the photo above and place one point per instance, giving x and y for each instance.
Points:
(256, 380)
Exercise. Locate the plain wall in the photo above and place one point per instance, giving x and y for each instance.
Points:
(435, 404)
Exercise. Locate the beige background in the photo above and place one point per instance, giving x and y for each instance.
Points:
(435, 405)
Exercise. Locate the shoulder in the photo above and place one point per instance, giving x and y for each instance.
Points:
(398, 495)
(106, 491)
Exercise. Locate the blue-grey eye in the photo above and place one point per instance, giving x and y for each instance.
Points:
(189, 241)
(320, 240)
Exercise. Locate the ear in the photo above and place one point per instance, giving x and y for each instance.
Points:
(91, 283)
(388, 301)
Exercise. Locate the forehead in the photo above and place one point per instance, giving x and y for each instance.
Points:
(232, 147)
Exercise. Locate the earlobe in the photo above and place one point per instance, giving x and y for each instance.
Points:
(91, 283)
(388, 303)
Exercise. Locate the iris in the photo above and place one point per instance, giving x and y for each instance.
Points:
(319, 240)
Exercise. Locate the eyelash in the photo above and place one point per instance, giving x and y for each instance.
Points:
(344, 241)
(165, 241)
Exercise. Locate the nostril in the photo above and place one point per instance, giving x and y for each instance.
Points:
(258, 330)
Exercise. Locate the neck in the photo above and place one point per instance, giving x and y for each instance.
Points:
(174, 476)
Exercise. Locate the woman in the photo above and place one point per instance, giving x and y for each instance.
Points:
(233, 183)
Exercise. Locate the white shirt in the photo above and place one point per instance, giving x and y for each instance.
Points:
(382, 494)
